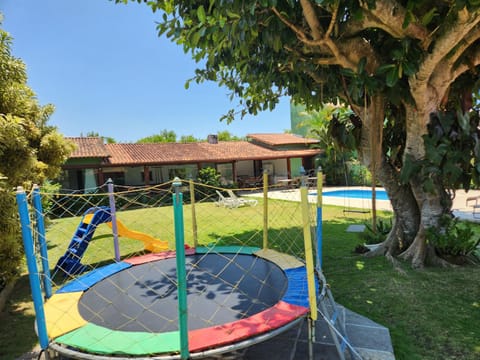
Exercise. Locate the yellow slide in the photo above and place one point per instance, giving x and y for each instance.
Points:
(150, 243)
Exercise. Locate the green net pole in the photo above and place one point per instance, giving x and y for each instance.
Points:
(181, 271)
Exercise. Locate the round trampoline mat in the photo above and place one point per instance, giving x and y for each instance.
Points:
(221, 288)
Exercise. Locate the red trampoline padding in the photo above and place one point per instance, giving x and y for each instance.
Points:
(273, 318)
(142, 259)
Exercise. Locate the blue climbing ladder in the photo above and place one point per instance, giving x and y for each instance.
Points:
(70, 262)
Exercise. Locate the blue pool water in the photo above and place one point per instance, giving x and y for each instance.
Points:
(355, 194)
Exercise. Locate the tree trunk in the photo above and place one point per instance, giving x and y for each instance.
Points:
(432, 204)
(406, 218)
(406, 215)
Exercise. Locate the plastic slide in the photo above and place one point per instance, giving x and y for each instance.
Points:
(70, 262)
(150, 243)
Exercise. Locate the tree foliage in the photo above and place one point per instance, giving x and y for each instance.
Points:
(227, 136)
(165, 136)
(30, 150)
(106, 139)
(394, 62)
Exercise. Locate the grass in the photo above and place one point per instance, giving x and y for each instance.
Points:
(431, 314)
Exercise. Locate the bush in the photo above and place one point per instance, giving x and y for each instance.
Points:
(455, 238)
(11, 249)
(375, 237)
(209, 176)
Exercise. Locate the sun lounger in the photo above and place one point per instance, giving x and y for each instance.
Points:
(245, 201)
(227, 202)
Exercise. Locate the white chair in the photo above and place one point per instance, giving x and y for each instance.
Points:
(228, 202)
(475, 206)
(244, 201)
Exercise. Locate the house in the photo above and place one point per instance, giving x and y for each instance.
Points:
(93, 162)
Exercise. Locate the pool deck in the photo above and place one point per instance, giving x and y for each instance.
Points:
(459, 208)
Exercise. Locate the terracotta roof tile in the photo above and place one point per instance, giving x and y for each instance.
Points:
(176, 153)
(282, 139)
(88, 147)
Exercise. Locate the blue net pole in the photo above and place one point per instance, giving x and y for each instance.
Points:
(181, 271)
(40, 225)
(32, 267)
(319, 217)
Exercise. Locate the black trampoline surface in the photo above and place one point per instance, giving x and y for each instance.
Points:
(221, 288)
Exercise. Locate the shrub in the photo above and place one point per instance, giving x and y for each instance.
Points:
(374, 237)
(209, 176)
(11, 249)
(453, 238)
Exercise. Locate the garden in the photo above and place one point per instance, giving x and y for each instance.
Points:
(431, 314)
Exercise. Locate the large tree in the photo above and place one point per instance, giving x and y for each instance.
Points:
(406, 68)
(165, 136)
(31, 151)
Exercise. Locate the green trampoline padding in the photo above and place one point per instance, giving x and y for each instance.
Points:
(247, 250)
(100, 340)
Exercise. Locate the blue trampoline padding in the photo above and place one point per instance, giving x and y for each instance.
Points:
(86, 281)
(247, 250)
(297, 290)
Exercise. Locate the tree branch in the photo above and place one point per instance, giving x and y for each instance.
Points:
(312, 20)
(333, 20)
(445, 42)
(389, 16)
(327, 61)
(300, 34)
(466, 42)
(444, 82)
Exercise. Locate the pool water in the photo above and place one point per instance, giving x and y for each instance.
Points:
(355, 194)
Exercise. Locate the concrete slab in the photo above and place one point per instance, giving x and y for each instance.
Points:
(370, 340)
(356, 228)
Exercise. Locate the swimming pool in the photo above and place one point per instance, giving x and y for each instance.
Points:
(355, 194)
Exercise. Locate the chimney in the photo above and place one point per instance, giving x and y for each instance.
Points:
(212, 139)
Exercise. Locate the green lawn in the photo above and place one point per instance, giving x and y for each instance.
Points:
(431, 314)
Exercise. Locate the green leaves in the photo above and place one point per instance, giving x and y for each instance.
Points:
(201, 14)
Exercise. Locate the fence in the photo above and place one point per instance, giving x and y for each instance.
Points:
(177, 270)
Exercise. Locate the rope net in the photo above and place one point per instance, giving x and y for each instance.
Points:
(113, 269)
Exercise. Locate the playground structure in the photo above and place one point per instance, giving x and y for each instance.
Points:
(215, 291)
(69, 263)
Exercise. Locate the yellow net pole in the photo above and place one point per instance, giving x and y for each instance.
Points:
(307, 238)
(194, 215)
(265, 209)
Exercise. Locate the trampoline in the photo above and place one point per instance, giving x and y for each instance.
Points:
(236, 297)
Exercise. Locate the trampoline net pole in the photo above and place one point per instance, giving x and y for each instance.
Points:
(40, 228)
(265, 209)
(181, 271)
(194, 215)
(319, 254)
(113, 211)
(29, 247)
(307, 237)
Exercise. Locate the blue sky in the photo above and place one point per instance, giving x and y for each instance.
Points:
(105, 69)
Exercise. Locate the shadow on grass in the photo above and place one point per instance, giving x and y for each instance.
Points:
(17, 334)
(285, 240)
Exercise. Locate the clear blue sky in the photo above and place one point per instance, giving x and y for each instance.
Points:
(105, 69)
